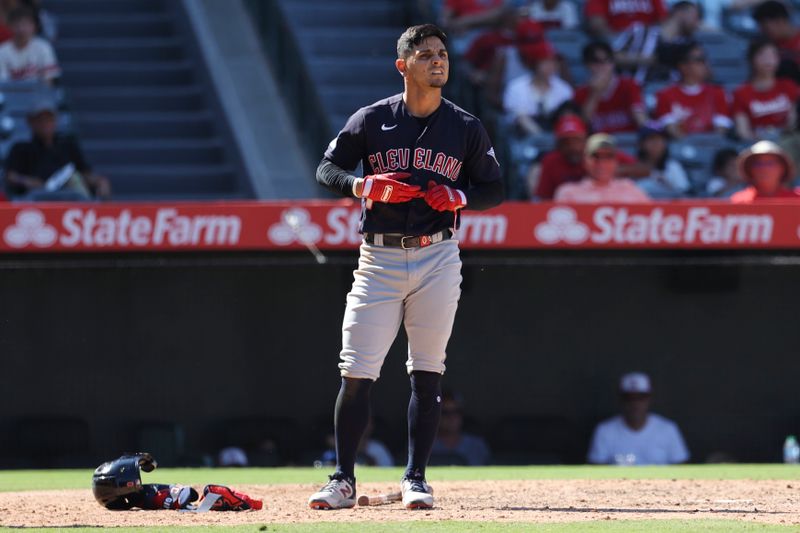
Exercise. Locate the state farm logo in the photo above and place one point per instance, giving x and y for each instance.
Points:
(562, 224)
(295, 225)
(30, 228)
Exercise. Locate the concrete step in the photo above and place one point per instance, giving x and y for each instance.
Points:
(126, 99)
(156, 151)
(335, 70)
(104, 74)
(170, 179)
(115, 25)
(351, 14)
(79, 7)
(119, 49)
(346, 99)
(369, 42)
(189, 125)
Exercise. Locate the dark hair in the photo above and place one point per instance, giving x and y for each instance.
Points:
(644, 133)
(591, 49)
(684, 51)
(756, 45)
(770, 10)
(415, 35)
(20, 13)
(721, 159)
(683, 4)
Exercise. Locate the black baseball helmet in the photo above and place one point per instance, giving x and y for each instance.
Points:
(114, 483)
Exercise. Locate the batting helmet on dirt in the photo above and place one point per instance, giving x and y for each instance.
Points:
(116, 481)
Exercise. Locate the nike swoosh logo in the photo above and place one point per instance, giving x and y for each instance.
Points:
(384, 127)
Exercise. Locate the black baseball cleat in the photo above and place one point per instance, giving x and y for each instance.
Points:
(338, 493)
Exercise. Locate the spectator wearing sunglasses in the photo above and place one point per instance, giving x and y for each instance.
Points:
(453, 446)
(609, 103)
(692, 105)
(601, 185)
(769, 171)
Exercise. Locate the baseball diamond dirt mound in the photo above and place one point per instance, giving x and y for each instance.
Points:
(775, 502)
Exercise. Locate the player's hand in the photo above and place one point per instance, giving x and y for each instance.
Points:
(444, 198)
(388, 189)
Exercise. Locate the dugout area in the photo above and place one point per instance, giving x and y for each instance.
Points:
(183, 353)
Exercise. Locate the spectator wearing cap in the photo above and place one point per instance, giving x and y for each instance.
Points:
(554, 14)
(725, 178)
(769, 171)
(692, 105)
(637, 436)
(31, 164)
(26, 56)
(565, 164)
(765, 107)
(667, 179)
(609, 103)
(492, 59)
(601, 184)
(775, 23)
(531, 100)
(605, 18)
(465, 19)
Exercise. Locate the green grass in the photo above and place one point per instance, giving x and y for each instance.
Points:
(626, 526)
(17, 480)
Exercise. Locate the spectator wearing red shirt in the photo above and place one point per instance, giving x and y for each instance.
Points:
(565, 164)
(607, 17)
(769, 171)
(465, 18)
(692, 105)
(609, 103)
(554, 13)
(775, 22)
(765, 105)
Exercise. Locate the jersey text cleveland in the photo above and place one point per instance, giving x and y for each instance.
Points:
(398, 159)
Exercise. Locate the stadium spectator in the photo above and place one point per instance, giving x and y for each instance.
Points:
(605, 18)
(371, 452)
(601, 185)
(725, 178)
(769, 171)
(453, 446)
(565, 163)
(50, 156)
(713, 11)
(26, 56)
(554, 14)
(493, 60)
(677, 32)
(532, 100)
(667, 179)
(693, 105)
(637, 436)
(465, 19)
(775, 23)
(5, 30)
(609, 103)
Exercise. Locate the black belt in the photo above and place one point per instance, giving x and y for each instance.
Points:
(395, 240)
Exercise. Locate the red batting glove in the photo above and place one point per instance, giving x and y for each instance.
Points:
(386, 188)
(444, 198)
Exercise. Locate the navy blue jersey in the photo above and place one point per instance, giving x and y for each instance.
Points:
(450, 147)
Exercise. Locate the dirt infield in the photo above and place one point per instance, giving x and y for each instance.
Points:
(774, 502)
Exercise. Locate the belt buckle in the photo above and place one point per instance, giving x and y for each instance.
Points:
(403, 242)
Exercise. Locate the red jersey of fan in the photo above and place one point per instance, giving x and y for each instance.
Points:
(750, 195)
(620, 14)
(698, 110)
(766, 109)
(614, 111)
(469, 7)
(557, 170)
(482, 51)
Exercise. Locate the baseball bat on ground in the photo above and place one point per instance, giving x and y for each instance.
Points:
(380, 499)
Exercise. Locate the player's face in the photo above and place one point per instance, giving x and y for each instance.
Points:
(429, 65)
(767, 171)
(602, 165)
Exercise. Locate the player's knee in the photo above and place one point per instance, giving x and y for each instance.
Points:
(426, 384)
(355, 387)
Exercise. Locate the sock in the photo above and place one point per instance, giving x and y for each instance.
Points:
(350, 420)
(424, 411)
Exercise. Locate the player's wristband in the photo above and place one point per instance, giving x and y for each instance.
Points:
(463, 198)
(356, 184)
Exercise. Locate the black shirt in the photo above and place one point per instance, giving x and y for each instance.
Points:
(33, 158)
(450, 146)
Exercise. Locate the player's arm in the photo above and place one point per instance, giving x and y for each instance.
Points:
(486, 188)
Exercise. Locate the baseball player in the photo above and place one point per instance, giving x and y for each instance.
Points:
(424, 160)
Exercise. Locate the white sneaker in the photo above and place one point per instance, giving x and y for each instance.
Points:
(417, 494)
(336, 494)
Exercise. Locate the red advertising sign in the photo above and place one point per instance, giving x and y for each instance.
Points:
(333, 225)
